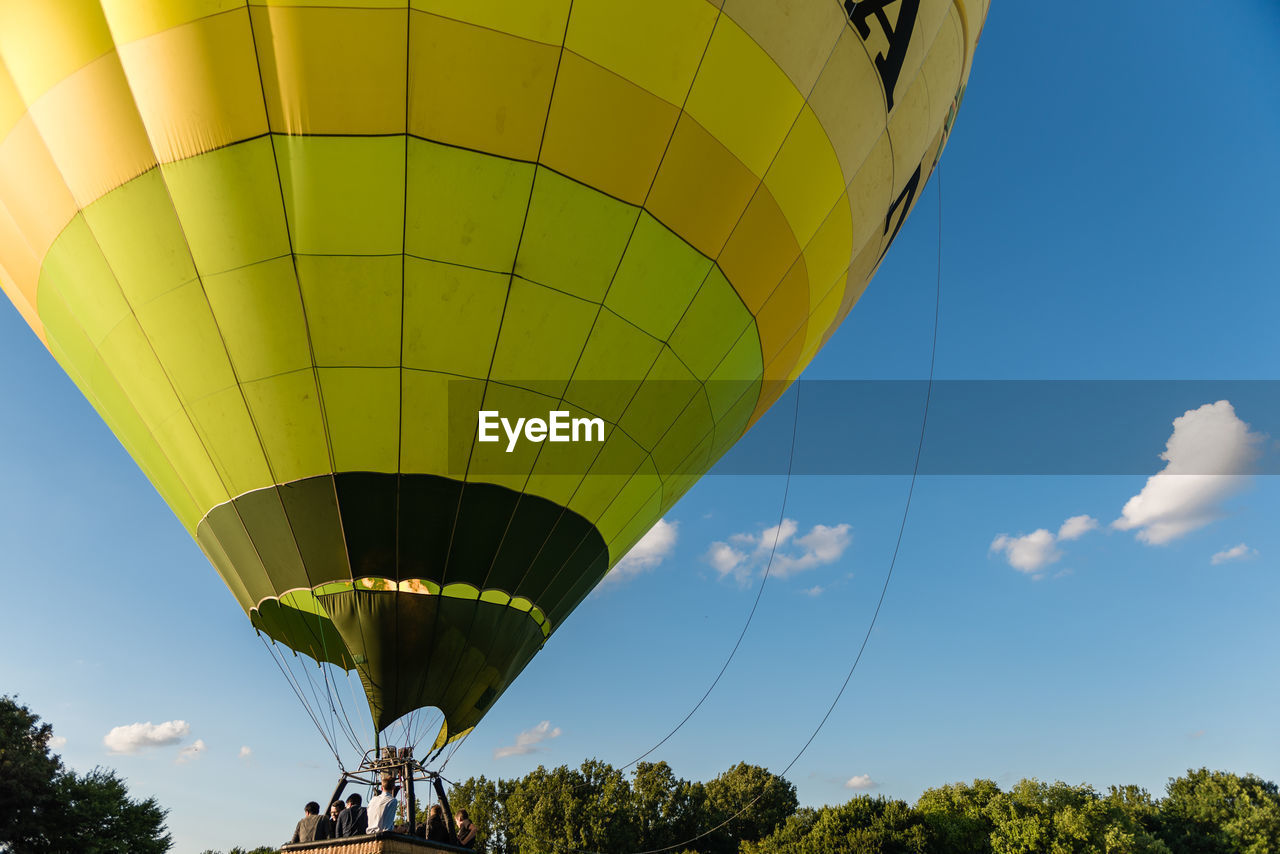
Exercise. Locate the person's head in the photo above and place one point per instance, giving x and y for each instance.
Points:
(436, 811)
(353, 801)
(462, 816)
(312, 808)
(335, 808)
(389, 784)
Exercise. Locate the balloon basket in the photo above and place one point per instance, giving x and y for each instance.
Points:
(373, 843)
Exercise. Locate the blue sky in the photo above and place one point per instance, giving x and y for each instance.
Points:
(1109, 213)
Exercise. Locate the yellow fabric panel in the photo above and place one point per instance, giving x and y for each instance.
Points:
(828, 254)
(656, 44)
(329, 71)
(742, 97)
(19, 271)
(11, 104)
(540, 22)
(36, 196)
(127, 354)
(259, 310)
(424, 424)
(619, 459)
(186, 339)
(605, 131)
(131, 20)
(36, 64)
(77, 270)
(451, 317)
(196, 86)
(186, 452)
(477, 88)
(870, 193)
(224, 425)
(820, 320)
(352, 303)
(941, 71)
(850, 78)
(701, 189)
(797, 34)
(92, 129)
(362, 412)
(642, 496)
(783, 317)
(910, 132)
(760, 251)
(860, 272)
(805, 177)
(286, 411)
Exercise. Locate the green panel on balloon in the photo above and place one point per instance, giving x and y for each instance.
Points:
(362, 417)
(658, 278)
(464, 207)
(259, 311)
(451, 317)
(230, 207)
(187, 340)
(352, 306)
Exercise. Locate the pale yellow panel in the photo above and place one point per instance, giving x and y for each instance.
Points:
(829, 252)
(656, 44)
(870, 193)
(910, 132)
(798, 34)
(11, 104)
(92, 129)
(849, 102)
(742, 97)
(128, 356)
(225, 428)
(43, 41)
(477, 88)
(197, 86)
(606, 132)
(135, 19)
(541, 22)
(805, 177)
(820, 321)
(286, 412)
(942, 69)
(186, 452)
(929, 17)
(19, 269)
(760, 251)
(33, 188)
(332, 71)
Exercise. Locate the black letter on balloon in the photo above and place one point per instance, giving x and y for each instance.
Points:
(900, 206)
(889, 64)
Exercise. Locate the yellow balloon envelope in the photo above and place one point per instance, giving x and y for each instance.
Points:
(291, 250)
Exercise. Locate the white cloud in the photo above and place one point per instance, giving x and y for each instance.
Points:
(652, 549)
(1240, 552)
(188, 754)
(862, 782)
(1031, 553)
(815, 590)
(135, 737)
(745, 554)
(528, 741)
(1076, 527)
(1206, 458)
(245, 752)
(57, 742)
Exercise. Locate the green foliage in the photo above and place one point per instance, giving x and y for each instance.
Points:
(1207, 812)
(48, 809)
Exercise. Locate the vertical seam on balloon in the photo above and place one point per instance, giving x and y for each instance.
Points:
(498, 336)
(404, 247)
(315, 372)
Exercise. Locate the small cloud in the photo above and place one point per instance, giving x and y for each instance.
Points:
(57, 742)
(1076, 527)
(245, 752)
(528, 741)
(1207, 457)
(1240, 552)
(191, 753)
(1197, 734)
(815, 590)
(1031, 553)
(136, 737)
(779, 549)
(652, 549)
(861, 782)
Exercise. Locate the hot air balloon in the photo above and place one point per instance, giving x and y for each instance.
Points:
(290, 250)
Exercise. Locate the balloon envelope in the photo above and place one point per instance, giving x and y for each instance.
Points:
(290, 250)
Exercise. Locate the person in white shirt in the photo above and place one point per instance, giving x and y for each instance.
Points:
(382, 807)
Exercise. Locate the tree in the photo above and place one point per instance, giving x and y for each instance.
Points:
(750, 802)
(957, 815)
(48, 809)
(1208, 812)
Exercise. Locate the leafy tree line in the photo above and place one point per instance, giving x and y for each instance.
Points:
(597, 808)
(49, 809)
